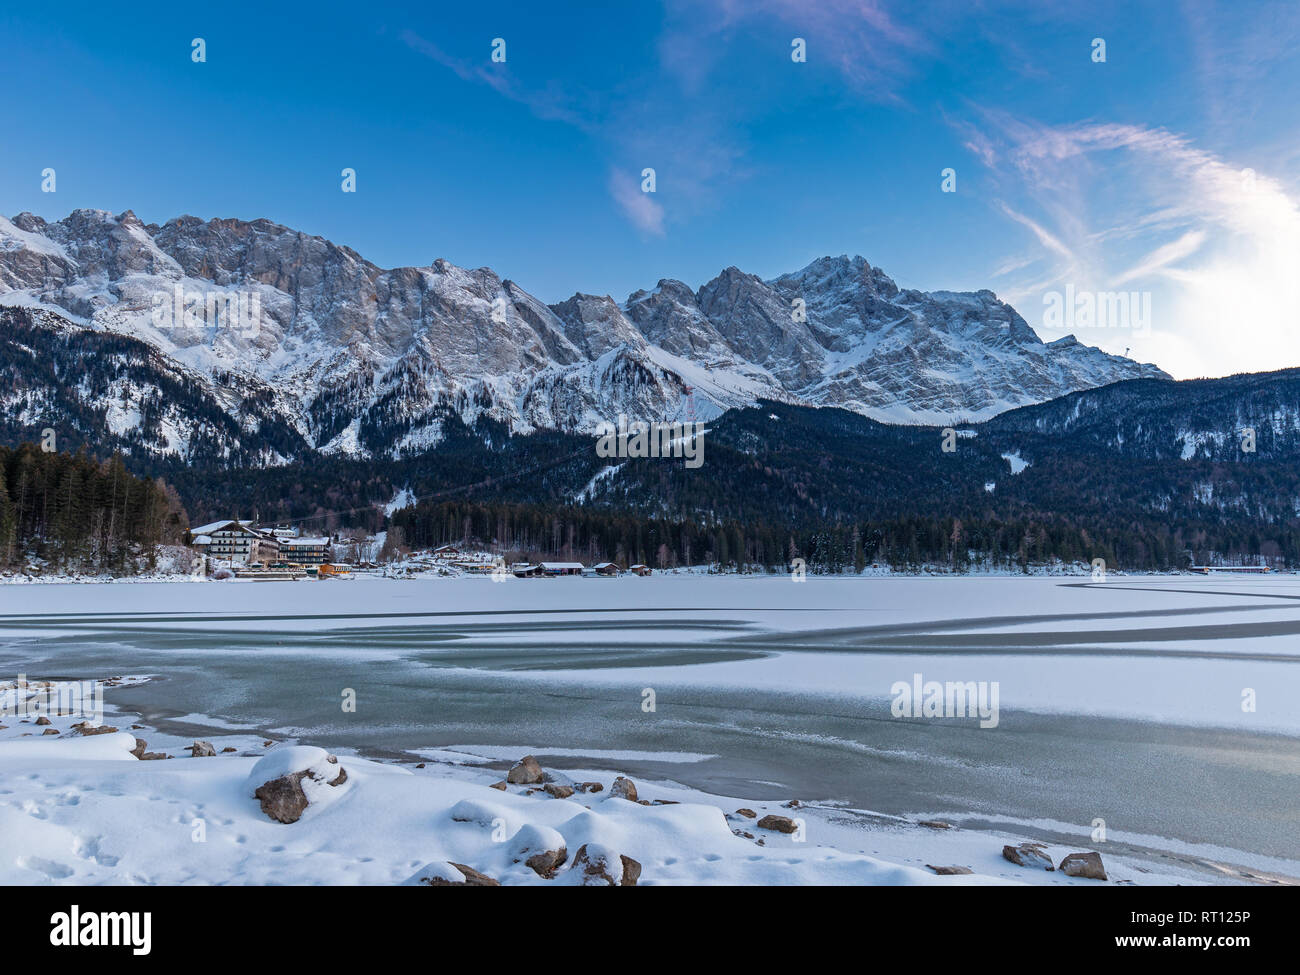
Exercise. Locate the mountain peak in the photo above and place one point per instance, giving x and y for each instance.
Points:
(29, 222)
(839, 272)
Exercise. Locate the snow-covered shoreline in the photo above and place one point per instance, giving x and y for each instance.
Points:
(83, 807)
(22, 579)
(1078, 571)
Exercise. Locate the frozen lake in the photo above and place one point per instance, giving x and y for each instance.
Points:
(1120, 701)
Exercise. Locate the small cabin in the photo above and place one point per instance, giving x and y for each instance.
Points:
(606, 569)
(640, 570)
(562, 568)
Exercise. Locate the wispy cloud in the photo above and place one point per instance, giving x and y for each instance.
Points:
(1237, 51)
(672, 117)
(1122, 205)
(693, 148)
(638, 206)
(1045, 237)
(871, 48)
(1163, 256)
(550, 103)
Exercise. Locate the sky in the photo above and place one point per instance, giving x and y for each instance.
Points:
(1165, 167)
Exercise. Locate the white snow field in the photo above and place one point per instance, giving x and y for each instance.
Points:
(92, 814)
(1161, 708)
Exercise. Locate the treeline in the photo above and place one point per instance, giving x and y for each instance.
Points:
(71, 511)
(909, 543)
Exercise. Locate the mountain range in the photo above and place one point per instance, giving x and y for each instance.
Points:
(121, 334)
(449, 403)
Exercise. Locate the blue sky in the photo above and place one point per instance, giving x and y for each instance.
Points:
(1127, 174)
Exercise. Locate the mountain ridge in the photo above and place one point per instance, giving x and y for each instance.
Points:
(359, 360)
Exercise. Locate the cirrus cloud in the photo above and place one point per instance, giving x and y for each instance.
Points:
(1142, 208)
(639, 207)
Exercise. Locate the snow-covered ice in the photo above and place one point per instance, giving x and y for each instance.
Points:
(1163, 651)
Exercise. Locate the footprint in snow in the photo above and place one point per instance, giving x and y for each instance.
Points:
(51, 869)
(87, 847)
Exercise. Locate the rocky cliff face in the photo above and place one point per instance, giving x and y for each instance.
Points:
(340, 355)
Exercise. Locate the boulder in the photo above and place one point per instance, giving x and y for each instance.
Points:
(50, 731)
(623, 788)
(603, 867)
(446, 874)
(948, 871)
(1086, 865)
(540, 848)
(525, 772)
(545, 864)
(631, 871)
(1028, 855)
(42, 720)
(498, 785)
(342, 775)
(781, 824)
(558, 791)
(590, 787)
(86, 728)
(283, 799)
(473, 811)
(140, 746)
(202, 749)
(747, 813)
(303, 774)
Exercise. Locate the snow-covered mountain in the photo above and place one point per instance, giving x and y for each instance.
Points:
(276, 330)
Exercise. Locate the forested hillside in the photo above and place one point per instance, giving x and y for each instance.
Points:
(840, 490)
(908, 543)
(71, 511)
(1147, 475)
